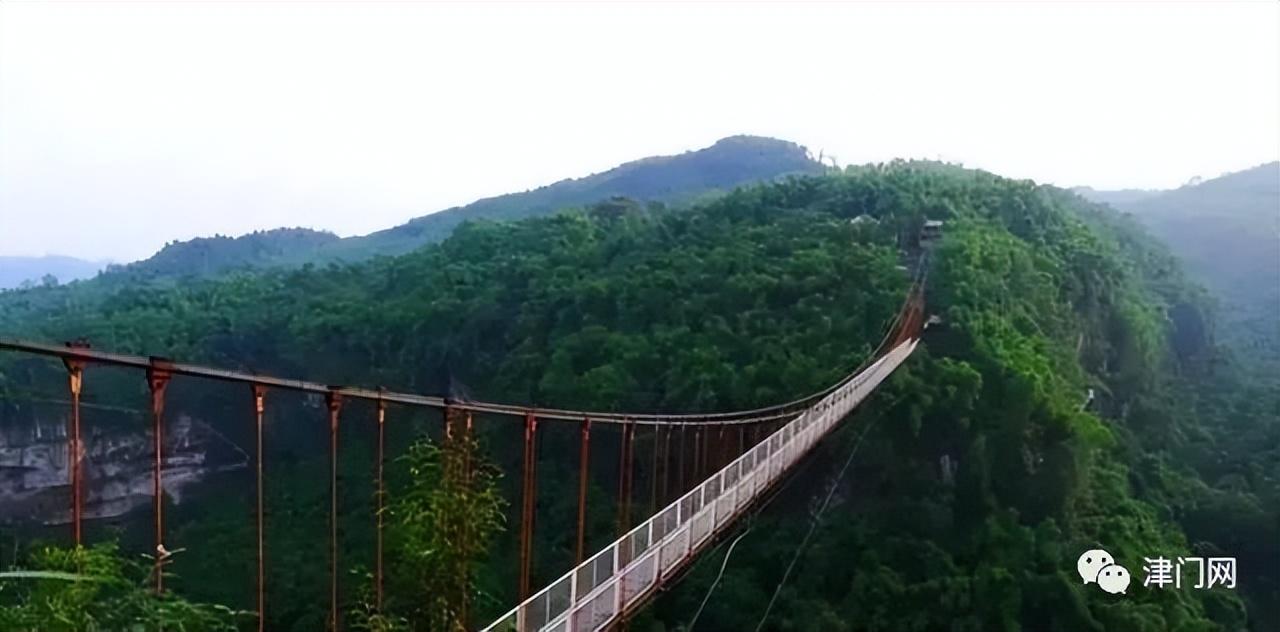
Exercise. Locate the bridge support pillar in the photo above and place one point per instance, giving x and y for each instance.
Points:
(666, 465)
(333, 400)
(259, 409)
(75, 380)
(380, 493)
(624, 478)
(584, 456)
(653, 473)
(158, 381)
(529, 500)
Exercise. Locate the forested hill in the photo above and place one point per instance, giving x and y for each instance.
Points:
(1227, 231)
(729, 163)
(210, 256)
(1068, 399)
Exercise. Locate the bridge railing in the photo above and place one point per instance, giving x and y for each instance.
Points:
(616, 580)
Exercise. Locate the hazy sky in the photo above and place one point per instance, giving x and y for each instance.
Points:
(125, 126)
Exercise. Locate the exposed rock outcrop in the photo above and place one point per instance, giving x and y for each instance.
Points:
(34, 480)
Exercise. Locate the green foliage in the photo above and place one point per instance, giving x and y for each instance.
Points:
(97, 588)
(1071, 396)
(1225, 230)
(441, 525)
(211, 256)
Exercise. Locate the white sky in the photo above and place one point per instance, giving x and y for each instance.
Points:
(124, 126)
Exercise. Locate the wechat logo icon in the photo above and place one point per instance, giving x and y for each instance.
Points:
(1096, 566)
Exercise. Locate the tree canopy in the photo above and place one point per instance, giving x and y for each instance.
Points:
(1071, 397)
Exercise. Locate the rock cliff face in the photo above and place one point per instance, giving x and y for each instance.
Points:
(34, 479)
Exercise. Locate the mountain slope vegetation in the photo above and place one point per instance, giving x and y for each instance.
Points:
(987, 466)
(729, 163)
(210, 256)
(1227, 231)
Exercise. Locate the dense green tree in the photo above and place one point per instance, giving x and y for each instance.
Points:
(1070, 395)
(441, 524)
(97, 588)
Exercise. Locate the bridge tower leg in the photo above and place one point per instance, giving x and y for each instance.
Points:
(380, 494)
(653, 472)
(529, 502)
(464, 616)
(584, 456)
(624, 478)
(666, 464)
(333, 401)
(75, 380)
(259, 408)
(158, 382)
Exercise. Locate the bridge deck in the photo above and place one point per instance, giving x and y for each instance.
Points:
(619, 578)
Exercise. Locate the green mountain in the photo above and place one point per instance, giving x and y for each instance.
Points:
(209, 256)
(1227, 231)
(668, 180)
(1062, 403)
(731, 162)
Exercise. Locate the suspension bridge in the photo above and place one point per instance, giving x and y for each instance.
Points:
(604, 588)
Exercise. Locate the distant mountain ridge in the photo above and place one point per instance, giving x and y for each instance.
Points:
(1227, 231)
(1118, 197)
(729, 163)
(205, 256)
(17, 271)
